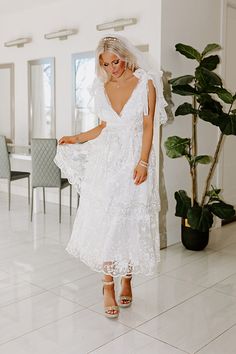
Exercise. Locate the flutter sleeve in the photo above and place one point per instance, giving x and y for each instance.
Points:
(156, 77)
(160, 112)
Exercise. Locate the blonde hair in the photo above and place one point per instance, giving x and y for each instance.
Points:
(118, 47)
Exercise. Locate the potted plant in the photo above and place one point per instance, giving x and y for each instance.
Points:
(212, 103)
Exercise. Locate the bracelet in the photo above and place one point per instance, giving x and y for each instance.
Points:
(143, 163)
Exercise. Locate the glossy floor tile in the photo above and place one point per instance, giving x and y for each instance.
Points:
(134, 342)
(16, 292)
(51, 303)
(207, 271)
(34, 312)
(227, 286)
(195, 322)
(225, 344)
(79, 333)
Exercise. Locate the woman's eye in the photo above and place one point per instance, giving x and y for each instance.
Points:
(116, 62)
(105, 64)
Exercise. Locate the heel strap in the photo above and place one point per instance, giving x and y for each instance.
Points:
(108, 282)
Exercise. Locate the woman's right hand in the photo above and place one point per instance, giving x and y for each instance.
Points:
(73, 139)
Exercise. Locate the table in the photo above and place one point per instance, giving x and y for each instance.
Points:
(20, 152)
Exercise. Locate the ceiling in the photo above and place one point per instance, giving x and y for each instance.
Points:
(12, 6)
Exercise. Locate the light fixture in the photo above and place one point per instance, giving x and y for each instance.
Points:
(62, 34)
(19, 42)
(118, 25)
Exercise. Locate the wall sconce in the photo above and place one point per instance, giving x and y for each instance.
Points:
(19, 42)
(62, 34)
(118, 25)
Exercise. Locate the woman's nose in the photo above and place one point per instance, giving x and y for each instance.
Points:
(109, 68)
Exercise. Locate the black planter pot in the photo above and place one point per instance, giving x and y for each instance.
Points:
(193, 240)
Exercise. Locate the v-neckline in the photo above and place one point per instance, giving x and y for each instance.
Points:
(126, 103)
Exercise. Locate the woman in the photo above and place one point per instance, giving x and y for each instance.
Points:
(116, 226)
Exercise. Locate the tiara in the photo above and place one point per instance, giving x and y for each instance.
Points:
(110, 39)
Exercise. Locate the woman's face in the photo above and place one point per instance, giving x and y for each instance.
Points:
(112, 64)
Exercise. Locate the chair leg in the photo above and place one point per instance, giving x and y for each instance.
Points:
(70, 198)
(29, 190)
(44, 205)
(9, 194)
(59, 205)
(32, 203)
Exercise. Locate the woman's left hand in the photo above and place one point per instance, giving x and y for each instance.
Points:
(140, 174)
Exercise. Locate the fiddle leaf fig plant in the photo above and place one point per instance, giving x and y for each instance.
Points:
(212, 103)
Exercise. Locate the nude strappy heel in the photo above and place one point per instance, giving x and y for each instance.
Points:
(109, 309)
(127, 299)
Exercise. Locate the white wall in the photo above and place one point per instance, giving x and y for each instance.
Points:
(80, 14)
(73, 13)
(196, 23)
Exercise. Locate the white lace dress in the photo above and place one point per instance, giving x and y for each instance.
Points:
(116, 228)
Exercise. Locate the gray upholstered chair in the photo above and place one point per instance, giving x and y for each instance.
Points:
(5, 170)
(45, 172)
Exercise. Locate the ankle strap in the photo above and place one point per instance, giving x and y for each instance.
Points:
(127, 276)
(107, 282)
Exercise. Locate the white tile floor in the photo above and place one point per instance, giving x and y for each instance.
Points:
(51, 303)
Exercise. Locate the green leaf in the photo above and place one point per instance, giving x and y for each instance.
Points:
(188, 51)
(176, 146)
(213, 199)
(214, 192)
(209, 116)
(184, 109)
(207, 78)
(222, 210)
(210, 62)
(183, 203)
(207, 102)
(200, 218)
(228, 124)
(181, 80)
(210, 48)
(203, 159)
(213, 195)
(184, 90)
(224, 95)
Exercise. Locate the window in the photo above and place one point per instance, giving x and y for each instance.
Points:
(7, 103)
(42, 122)
(83, 71)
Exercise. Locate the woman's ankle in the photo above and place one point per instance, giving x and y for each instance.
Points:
(107, 278)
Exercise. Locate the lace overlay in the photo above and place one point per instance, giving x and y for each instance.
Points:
(116, 228)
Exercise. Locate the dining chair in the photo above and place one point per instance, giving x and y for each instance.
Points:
(45, 172)
(5, 170)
